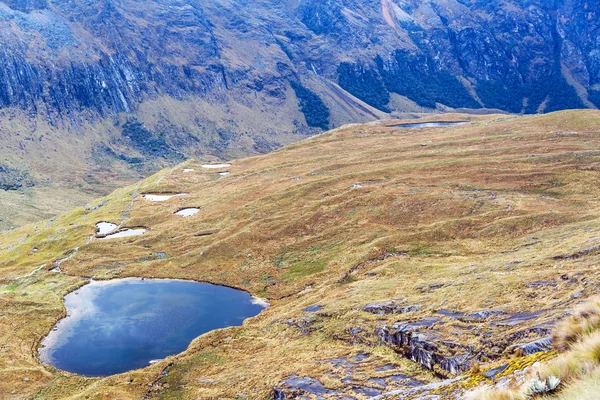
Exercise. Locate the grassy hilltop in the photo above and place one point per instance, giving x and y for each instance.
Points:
(495, 223)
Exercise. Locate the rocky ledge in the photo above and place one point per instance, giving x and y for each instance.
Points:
(419, 342)
(431, 341)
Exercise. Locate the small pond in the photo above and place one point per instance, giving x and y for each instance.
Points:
(161, 196)
(120, 325)
(125, 233)
(188, 212)
(104, 228)
(429, 125)
(216, 166)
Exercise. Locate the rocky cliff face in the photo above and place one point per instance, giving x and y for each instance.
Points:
(109, 56)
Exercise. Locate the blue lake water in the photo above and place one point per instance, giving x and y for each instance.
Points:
(429, 125)
(120, 325)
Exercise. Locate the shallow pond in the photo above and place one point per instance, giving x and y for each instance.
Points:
(104, 228)
(161, 197)
(429, 125)
(125, 233)
(119, 325)
(216, 166)
(188, 212)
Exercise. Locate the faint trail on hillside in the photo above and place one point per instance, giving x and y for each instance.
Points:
(136, 193)
(167, 174)
(127, 210)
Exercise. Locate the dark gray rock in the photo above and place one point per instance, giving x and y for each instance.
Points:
(304, 324)
(295, 386)
(543, 344)
(341, 363)
(377, 381)
(413, 383)
(481, 316)
(367, 391)
(361, 356)
(355, 331)
(491, 374)
(450, 314)
(518, 318)
(313, 308)
(578, 254)
(541, 284)
(390, 307)
(398, 377)
(418, 342)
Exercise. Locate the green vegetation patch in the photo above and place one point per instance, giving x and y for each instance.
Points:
(301, 269)
(314, 109)
(417, 78)
(364, 83)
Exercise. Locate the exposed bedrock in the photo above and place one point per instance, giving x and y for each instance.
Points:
(437, 345)
(419, 343)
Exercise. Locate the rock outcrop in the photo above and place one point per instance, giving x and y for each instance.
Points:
(390, 307)
(439, 346)
(294, 387)
(419, 342)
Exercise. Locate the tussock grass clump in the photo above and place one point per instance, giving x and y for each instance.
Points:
(585, 320)
(503, 394)
(587, 388)
(581, 359)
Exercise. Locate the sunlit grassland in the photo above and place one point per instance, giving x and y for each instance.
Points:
(472, 218)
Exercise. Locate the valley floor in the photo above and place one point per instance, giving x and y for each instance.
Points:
(398, 262)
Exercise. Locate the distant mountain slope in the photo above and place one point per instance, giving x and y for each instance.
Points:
(108, 56)
(119, 88)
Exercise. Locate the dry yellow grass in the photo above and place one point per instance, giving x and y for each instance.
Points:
(499, 213)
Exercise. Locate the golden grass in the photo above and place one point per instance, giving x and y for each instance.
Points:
(501, 394)
(477, 216)
(585, 388)
(584, 321)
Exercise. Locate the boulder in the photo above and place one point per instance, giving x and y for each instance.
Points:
(390, 307)
(295, 386)
(491, 374)
(543, 344)
(480, 316)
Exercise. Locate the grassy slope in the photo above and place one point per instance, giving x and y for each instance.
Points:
(480, 210)
(69, 168)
